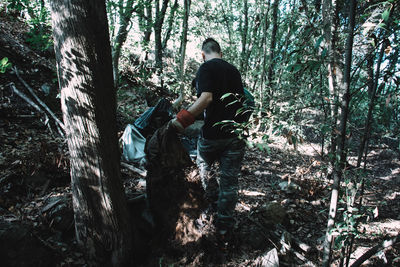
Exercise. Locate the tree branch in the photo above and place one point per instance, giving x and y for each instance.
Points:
(372, 251)
(30, 102)
(38, 100)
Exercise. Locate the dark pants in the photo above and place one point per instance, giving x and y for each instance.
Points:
(229, 153)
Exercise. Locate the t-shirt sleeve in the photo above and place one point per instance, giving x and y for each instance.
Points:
(205, 80)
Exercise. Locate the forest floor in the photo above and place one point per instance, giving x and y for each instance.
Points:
(283, 198)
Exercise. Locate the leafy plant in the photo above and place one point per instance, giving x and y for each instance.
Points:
(39, 41)
(38, 18)
(4, 65)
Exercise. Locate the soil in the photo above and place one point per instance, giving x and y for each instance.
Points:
(283, 198)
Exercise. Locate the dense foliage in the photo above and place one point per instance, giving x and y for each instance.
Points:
(293, 55)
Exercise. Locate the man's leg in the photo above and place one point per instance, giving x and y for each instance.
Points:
(207, 153)
(230, 165)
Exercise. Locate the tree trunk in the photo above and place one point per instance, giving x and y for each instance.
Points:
(125, 15)
(286, 43)
(145, 16)
(158, 23)
(171, 19)
(339, 164)
(264, 61)
(185, 27)
(244, 30)
(227, 20)
(372, 87)
(254, 44)
(329, 12)
(88, 101)
(272, 46)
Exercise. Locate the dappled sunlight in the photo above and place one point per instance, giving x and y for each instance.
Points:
(251, 193)
(389, 227)
(317, 79)
(392, 195)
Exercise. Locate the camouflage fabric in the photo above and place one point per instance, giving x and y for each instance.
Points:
(229, 153)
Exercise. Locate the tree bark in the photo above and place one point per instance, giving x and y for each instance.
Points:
(329, 13)
(185, 27)
(272, 46)
(339, 164)
(149, 22)
(372, 87)
(264, 61)
(88, 100)
(244, 30)
(145, 17)
(158, 23)
(171, 19)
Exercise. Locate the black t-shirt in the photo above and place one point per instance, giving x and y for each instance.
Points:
(219, 77)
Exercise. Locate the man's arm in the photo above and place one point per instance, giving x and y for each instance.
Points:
(186, 117)
(201, 103)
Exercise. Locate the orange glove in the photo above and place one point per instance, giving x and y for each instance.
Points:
(185, 118)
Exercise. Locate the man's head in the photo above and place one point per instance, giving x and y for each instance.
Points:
(210, 49)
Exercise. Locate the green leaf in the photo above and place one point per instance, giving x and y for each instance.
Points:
(4, 61)
(324, 53)
(225, 96)
(314, 65)
(4, 65)
(319, 41)
(233, 102)
(385, 15)
(381, 25)
(296, 68)
(263, 147)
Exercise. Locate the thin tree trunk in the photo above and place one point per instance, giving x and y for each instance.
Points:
(171, 19)
(228, 21)
(272, 46)
(339, 164)
(145, 13)
(125, 15)
(149, 22)
(158, 23)
(88, 99)
(373, 88)
(245, 28)
(254, 40)
(287, 40)
(323, 104)
(185, 27)
(264, 61)
(329, 25)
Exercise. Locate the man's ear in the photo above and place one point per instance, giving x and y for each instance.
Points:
(203, 55)
(220, 53)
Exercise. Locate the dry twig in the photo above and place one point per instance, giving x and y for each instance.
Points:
(58, 122)
(372, 251)
(30, 102)
(134, 169)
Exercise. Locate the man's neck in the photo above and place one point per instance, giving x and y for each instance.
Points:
(212, 56)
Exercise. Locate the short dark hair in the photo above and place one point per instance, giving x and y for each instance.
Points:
(210, 45)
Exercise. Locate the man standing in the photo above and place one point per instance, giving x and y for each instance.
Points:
(219, 86)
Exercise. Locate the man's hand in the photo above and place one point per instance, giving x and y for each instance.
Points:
(182, 120)
(177, 125)
(185, 118)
